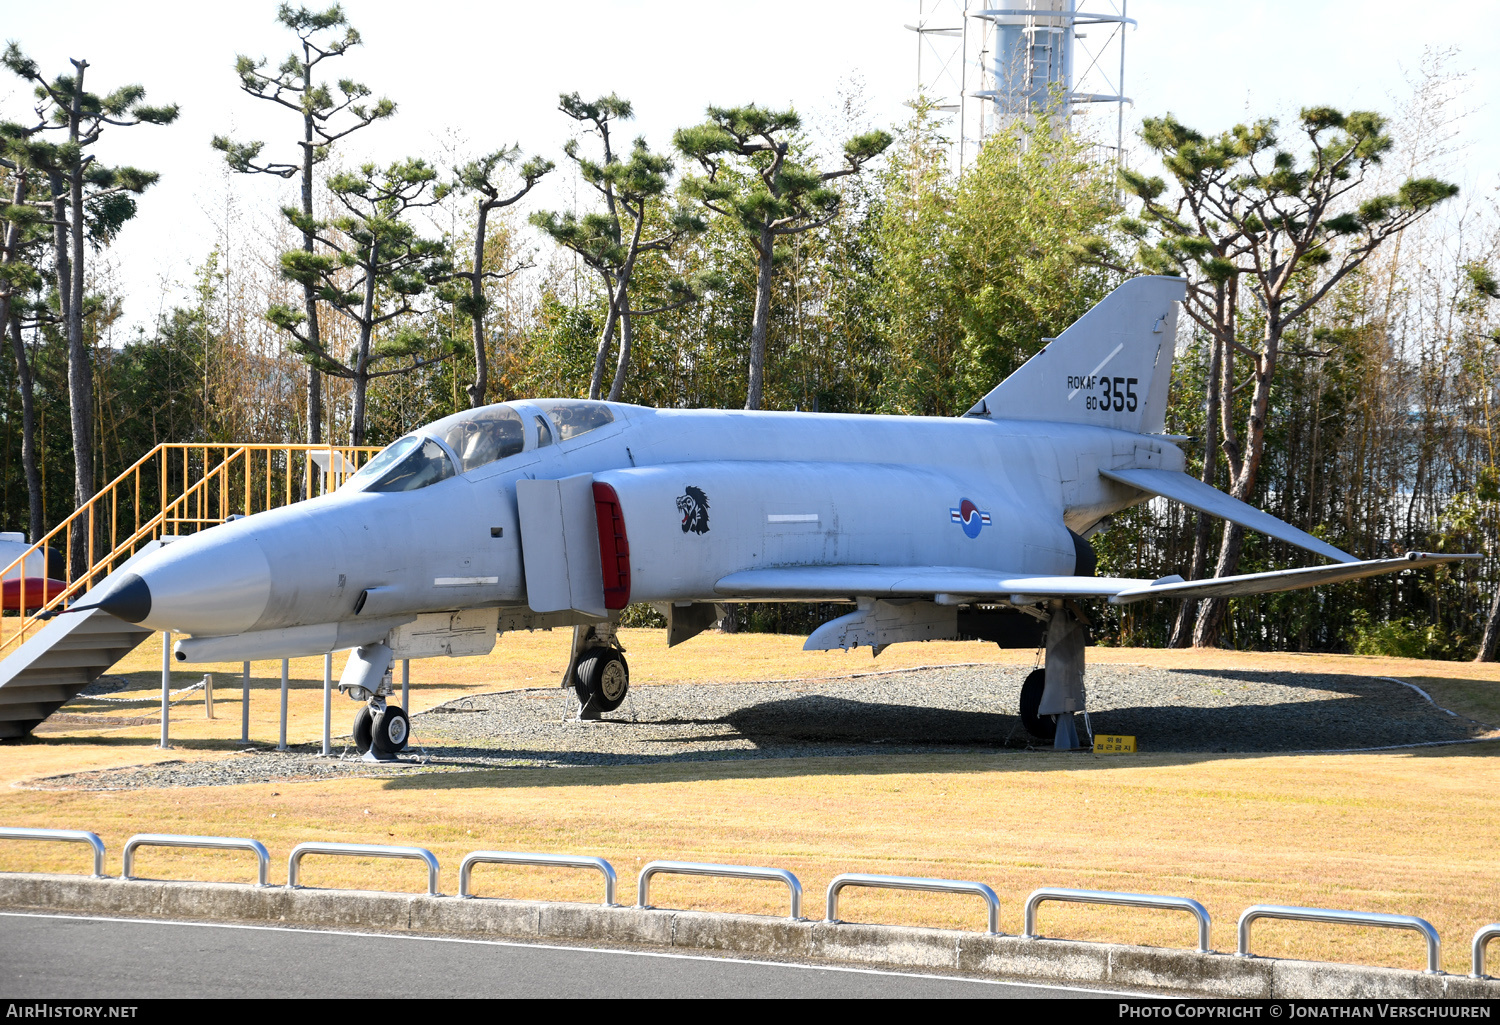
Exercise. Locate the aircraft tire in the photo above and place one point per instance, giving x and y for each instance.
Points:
(364, 726)
(603, 676)
(391, 731)
(1042, 727)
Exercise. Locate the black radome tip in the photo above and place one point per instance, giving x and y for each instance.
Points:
(129, 600)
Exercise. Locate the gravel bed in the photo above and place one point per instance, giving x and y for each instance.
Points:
(970, 708)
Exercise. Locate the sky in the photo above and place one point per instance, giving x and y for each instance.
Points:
(488, 75)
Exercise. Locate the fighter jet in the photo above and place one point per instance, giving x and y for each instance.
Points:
(560, 512)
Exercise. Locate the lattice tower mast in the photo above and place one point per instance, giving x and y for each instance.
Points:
(1035, 55)
(953, 69)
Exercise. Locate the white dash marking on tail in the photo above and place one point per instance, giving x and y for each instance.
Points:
(1095, 372)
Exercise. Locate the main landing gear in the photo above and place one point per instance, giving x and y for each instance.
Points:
(1050, 696)
(597, 672)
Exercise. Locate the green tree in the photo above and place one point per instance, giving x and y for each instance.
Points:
(979, 271)
(478, 178)
(1485, 287)
(775, 194)
(326, 118)
(24, 234)
(90, 202)
(1247, 214)
(377, 270)
(632, 225)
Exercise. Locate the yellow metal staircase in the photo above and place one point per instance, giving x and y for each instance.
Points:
(171, 491)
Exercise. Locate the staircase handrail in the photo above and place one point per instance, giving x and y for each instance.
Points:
(232, 452)
(75, 587)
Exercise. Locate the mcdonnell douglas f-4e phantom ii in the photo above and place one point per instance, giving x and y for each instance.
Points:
(559, 512)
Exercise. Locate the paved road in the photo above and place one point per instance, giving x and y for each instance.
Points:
(47, 956)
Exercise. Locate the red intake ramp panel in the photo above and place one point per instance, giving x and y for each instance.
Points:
(614, 547)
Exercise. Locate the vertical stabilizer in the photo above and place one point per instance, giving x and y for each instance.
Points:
(1111, 368)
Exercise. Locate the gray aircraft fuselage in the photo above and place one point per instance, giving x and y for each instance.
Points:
(559, 512)
(782, 489)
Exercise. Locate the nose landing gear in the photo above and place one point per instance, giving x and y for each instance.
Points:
(381, 731)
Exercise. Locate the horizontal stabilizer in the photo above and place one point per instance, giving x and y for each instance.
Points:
(1282, 580)
(1195, 494)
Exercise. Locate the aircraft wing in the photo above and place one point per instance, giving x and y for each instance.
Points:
(958, 584)
(819, 582)
(1195, 494)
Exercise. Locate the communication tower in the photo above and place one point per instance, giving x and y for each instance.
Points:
(985, 66)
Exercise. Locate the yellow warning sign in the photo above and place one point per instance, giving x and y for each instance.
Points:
(1113, 744)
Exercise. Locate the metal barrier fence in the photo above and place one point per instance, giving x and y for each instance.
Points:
(695, 868)
(913, 883)
(364, 850)
(1038, 897)
(1481, 940)
(63, 835)
(1129, 900)
(1335, 917)
(514, 858)
(222, 843)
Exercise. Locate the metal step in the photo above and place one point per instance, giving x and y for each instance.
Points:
(58, 692)
(59, 660)
(108, 639)
(20, 728)
(79, 658)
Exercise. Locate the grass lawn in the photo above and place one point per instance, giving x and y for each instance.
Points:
(1411, 831)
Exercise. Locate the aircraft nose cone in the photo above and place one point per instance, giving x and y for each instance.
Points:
(213, 583)
(129, 600)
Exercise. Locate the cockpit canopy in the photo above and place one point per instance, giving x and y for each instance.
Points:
(474, 438)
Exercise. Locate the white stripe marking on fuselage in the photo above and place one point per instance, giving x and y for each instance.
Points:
(792, 518)
(463, 581)
(1095, 372)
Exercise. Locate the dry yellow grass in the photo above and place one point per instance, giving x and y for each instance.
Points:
(1410, 831)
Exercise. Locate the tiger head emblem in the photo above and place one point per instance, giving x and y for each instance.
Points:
(694, 508)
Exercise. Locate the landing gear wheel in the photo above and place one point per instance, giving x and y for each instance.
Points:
(364, 728)
(1042, 727)
(391, 731)
(603, 677)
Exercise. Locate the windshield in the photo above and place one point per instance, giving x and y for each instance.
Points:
(384, 459)
(480, 436)
(425, 463)
(576, 416)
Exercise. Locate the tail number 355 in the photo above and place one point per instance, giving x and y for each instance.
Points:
(1117, 395)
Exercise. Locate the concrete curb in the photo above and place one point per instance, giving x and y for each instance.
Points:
(1104, 965)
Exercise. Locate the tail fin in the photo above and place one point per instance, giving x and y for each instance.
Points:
(1111, 368)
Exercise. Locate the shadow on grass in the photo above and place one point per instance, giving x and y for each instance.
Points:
(817, 734)
(833, 765)
(812, 734)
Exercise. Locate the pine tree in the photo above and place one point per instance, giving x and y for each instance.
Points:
(24, 234)
(374, 270)
(325, 120)
(1248, 217)
(477, 177)
(1485, 287)
(90, 202)
(753, 175)
(634, 224)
